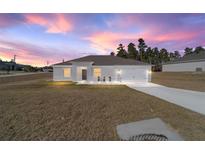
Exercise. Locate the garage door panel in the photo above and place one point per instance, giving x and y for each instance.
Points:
(133, 74)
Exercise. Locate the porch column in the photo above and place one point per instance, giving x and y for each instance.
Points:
(74, 72)
(89, 72)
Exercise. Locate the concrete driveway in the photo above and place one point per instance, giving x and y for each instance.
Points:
(189, 99)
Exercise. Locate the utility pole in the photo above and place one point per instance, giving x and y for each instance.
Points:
(14, 58)
(47, 63)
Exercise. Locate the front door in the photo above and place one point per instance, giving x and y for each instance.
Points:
(84, 74)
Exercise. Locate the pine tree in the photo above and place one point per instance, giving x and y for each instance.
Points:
(163, 55)
(121, 52)
(149, 55)
(142, 46)
(199, 49)
(112, 54)
(188, 51)
(132, 51)
(177, 54)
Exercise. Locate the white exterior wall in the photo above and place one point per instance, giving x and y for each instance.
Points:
(77, 70)
(127, 73)
(58, 73)
(183, 67)
(105, 71)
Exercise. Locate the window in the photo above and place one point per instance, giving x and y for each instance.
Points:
(67, 72)
(97, 72)
(199, 69)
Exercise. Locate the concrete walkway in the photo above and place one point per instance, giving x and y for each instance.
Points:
(189, 99)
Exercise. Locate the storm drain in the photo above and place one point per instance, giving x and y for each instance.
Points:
(147, 130)
(148, 137)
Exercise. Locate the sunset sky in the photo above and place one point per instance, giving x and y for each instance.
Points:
(37, 38)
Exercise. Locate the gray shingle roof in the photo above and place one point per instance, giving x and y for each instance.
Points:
(102, 60)
(189, 58)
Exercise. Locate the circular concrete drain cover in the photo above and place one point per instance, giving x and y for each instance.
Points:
(147, 130)
(148, 137)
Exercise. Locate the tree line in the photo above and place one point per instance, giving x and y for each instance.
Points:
(155, 56)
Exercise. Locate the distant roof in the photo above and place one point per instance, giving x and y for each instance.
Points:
(104, 60)
(195, 57)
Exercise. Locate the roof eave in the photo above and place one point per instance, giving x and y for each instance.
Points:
(187, 61)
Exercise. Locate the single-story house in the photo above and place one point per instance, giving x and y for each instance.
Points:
(189, 63)
(10, 66)
(102, 69)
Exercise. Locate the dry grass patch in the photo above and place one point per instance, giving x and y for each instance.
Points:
(43, 111)
(186, 80)
(25, 77)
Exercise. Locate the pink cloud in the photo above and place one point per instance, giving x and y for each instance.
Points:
(32, 54)
(24, 56)
(58, 23)
(176, 36)
(105, 42)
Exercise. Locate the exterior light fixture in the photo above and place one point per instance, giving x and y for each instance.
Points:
(119, 71)
(149, 72)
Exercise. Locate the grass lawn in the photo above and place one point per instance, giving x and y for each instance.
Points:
(42, 110)
(184, 80)
(24, 77)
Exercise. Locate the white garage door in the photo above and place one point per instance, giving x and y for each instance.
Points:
(133, 75)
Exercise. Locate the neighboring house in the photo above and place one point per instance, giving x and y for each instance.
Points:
(11, 66)
(102, 69)
(189, 63)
